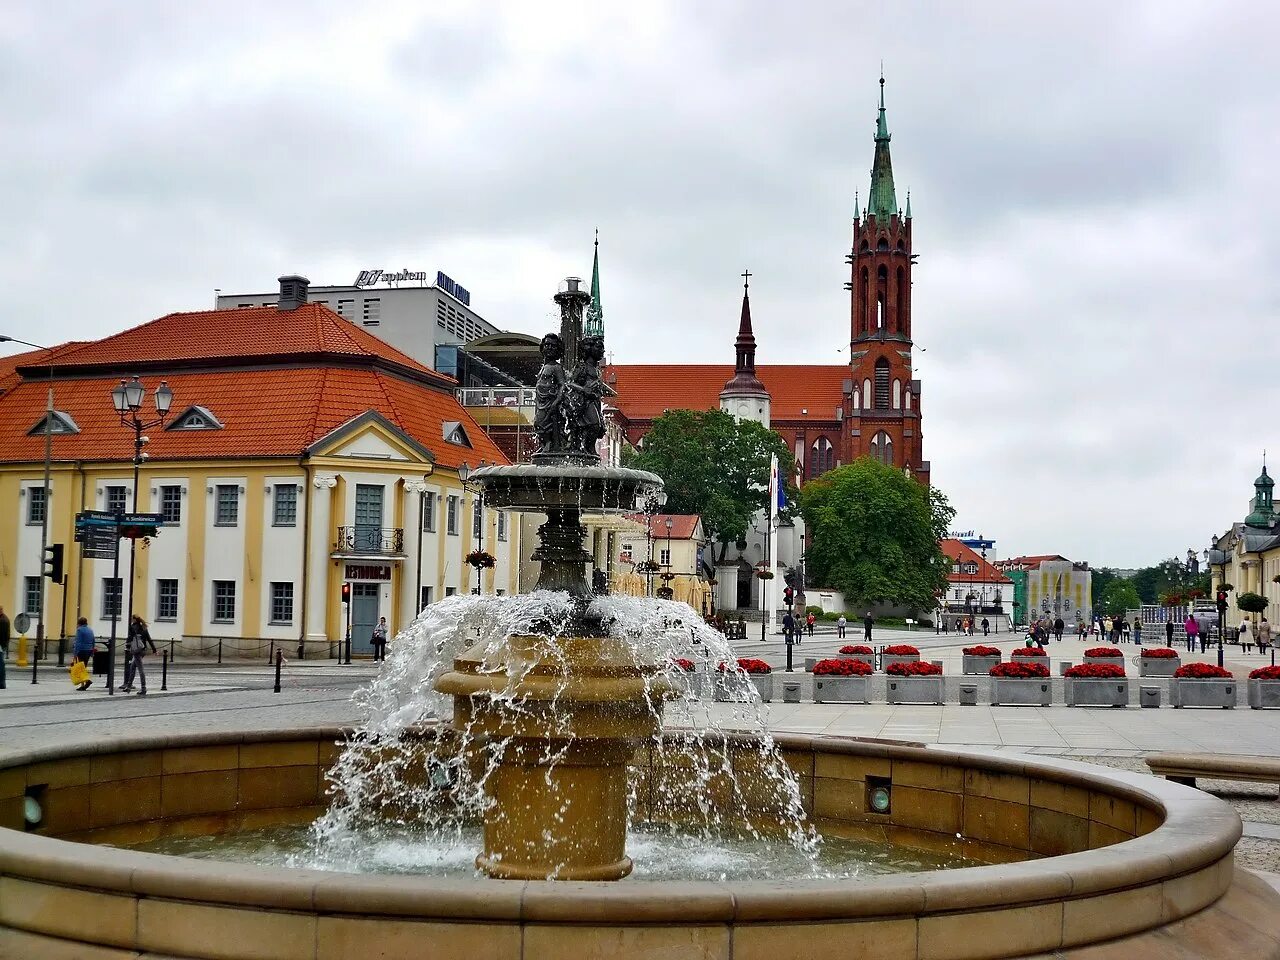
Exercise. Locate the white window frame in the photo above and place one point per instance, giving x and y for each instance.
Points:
(213, 604)
(218, 490)
(277, 502)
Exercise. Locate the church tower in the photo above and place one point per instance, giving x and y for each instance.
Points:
(882, 419)
(744, 395)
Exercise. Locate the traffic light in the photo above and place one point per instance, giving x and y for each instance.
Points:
(53, 562)
(346, 593)
(788, 596)
(1222, 600)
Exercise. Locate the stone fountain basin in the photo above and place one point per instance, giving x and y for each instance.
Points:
(539, 487)
(1080, 855)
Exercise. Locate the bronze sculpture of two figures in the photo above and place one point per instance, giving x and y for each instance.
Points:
(568, 418)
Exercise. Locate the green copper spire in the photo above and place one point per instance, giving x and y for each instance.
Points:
(883, 204)
(594, 320)
(1263, 513)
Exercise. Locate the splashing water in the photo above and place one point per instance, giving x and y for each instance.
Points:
(405, 771)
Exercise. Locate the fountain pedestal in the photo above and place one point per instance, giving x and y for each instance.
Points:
(559, 718)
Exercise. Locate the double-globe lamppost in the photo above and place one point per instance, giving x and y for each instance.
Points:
(128, 398)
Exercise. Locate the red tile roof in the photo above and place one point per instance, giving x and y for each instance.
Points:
(9, 376)
(646, 390)
(683, 525)
(223, 336)
(959, 553)
(1034, 561)
(270, 412)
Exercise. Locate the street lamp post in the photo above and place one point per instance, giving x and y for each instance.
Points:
(127, 399)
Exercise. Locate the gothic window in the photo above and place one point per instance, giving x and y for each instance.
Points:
(903, 297)
(823, 458)
(906, 400)
(883, 244)
(882, 297)
(855, 398)
(882, 448)
(897, 394)
(882, 384)
(863, 321)
(866, 391)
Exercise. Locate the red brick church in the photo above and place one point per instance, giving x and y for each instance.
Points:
(829, 414)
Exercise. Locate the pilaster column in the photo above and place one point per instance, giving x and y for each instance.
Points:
(318, 567)
(411, 570)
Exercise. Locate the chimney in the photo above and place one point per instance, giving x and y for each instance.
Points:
(293, 292)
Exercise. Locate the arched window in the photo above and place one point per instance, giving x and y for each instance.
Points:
(855, 398)
(864, 322)
(882, 448)
(882, 384)
(897, 394)
(882, 298)
(902, 301)
(823, 458)
(906, 399)
(866, 391)
(883, 244)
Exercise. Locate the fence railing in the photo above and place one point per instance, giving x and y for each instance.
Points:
(496, 397)
(360, 539)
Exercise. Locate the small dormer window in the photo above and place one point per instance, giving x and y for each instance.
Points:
(195, 418)
(55, 422)
(455, 433)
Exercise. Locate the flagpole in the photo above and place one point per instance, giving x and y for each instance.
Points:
(770, 590)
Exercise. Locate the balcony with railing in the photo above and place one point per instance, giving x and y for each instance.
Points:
(511, 398)
(369, 541)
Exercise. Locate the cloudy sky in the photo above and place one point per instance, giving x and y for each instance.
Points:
(1093, 185)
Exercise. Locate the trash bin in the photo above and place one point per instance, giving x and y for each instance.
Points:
(100, 662)
(968, 694)
(1149, 696)
(790, 691)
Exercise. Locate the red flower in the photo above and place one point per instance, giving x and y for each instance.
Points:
(1021, 671)
(1029, 652)
(1159, 653)
(1265, 673)
(857, 648)
(683, 664)
(1202, 671)
(981, 651)
(1096, 671)
(1104, 652)
(920, 668)
(841, 668)
(902, 650)
(748, 665)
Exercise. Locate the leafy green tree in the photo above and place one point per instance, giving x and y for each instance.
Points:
(1119, 596)
(874, 535)
(1101, 581)
(716, 467)
(1251, 602)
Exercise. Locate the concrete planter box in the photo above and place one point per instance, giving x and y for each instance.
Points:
(1097, 692)
(1203, 693)
(726, 692)
(978, 665)
(809, 663)
(1154, 667)
(840, 689)
(888, 658)
(915, 689)
(1016, 691)
(1118, 661)
(1264, 694)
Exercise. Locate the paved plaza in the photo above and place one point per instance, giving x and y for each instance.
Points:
(208, 697)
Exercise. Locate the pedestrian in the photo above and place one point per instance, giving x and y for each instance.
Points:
(83, 649)
(135, 648)
(1137, 631)
(379, 638)
(1058, 627)
(1193, 633)
(788, 628)
(867, 621)
(809, 622)
(841, 623)
(742, 627)
(1124, 629)
(1168, 633)
(1109, 628)
(986, 627)
(1264, 635)
(1246, 644)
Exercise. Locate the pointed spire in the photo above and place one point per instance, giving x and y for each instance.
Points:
(744, 379)
(855, 205)
(908, 204)
(882, 204)
(593, 325)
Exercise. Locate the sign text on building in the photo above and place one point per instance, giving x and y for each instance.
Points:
(455, 290)
(368, 571)
(367, 278)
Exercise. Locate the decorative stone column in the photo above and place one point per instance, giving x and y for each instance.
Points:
(321, 539)
(410, 570)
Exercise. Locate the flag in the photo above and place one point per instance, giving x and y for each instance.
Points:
(777, 498)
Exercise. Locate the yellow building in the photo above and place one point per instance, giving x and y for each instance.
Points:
(1247, 556)
(299, 453)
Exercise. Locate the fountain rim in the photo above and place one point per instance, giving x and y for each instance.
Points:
(1197, 832)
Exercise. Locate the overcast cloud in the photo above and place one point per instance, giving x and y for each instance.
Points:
(1093, 185)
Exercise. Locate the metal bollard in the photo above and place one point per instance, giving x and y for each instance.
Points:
(271, 653)
(164, 670)
(219, 650)
(35, 663)
(279, 663)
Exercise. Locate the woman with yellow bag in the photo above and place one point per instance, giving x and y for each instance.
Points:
(85, 641)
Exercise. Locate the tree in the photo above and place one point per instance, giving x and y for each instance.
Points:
(874, 535)
(1101, 580)
(1119, 597)
(1251, 602)
(716, 467)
